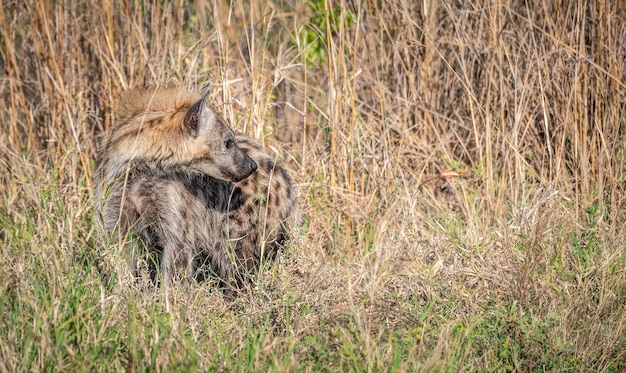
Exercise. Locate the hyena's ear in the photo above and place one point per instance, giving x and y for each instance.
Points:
(206, 89)
(192, 118)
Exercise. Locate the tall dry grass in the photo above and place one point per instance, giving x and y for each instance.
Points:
(460, 171)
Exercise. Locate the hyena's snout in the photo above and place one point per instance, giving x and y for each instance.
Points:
(253, 166)
(241, 167)
(249, 166)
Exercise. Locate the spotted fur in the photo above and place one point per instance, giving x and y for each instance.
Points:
(172, 172)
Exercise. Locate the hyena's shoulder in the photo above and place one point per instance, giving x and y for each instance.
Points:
(270, 182)
(267, 164)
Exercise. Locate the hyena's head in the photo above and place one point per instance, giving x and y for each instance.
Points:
(218, 154)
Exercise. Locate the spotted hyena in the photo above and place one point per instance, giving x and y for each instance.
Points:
(173, 174)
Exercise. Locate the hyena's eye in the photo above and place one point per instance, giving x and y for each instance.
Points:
(229, 143)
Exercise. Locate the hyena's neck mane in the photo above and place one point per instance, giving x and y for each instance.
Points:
(148, 127)
(136, 103)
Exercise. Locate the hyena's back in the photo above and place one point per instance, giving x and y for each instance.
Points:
(172, 171)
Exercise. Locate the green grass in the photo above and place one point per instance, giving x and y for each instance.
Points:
(459, 171)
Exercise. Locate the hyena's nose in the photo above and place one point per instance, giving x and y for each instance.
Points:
(253, 166)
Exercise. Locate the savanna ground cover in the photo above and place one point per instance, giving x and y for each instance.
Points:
(460, 173)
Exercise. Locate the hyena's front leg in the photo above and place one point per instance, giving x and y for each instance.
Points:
(169, 210)
(177, 263)
(178, 248)
(240, 243)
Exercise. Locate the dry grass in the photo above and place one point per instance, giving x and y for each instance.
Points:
(460, 170)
